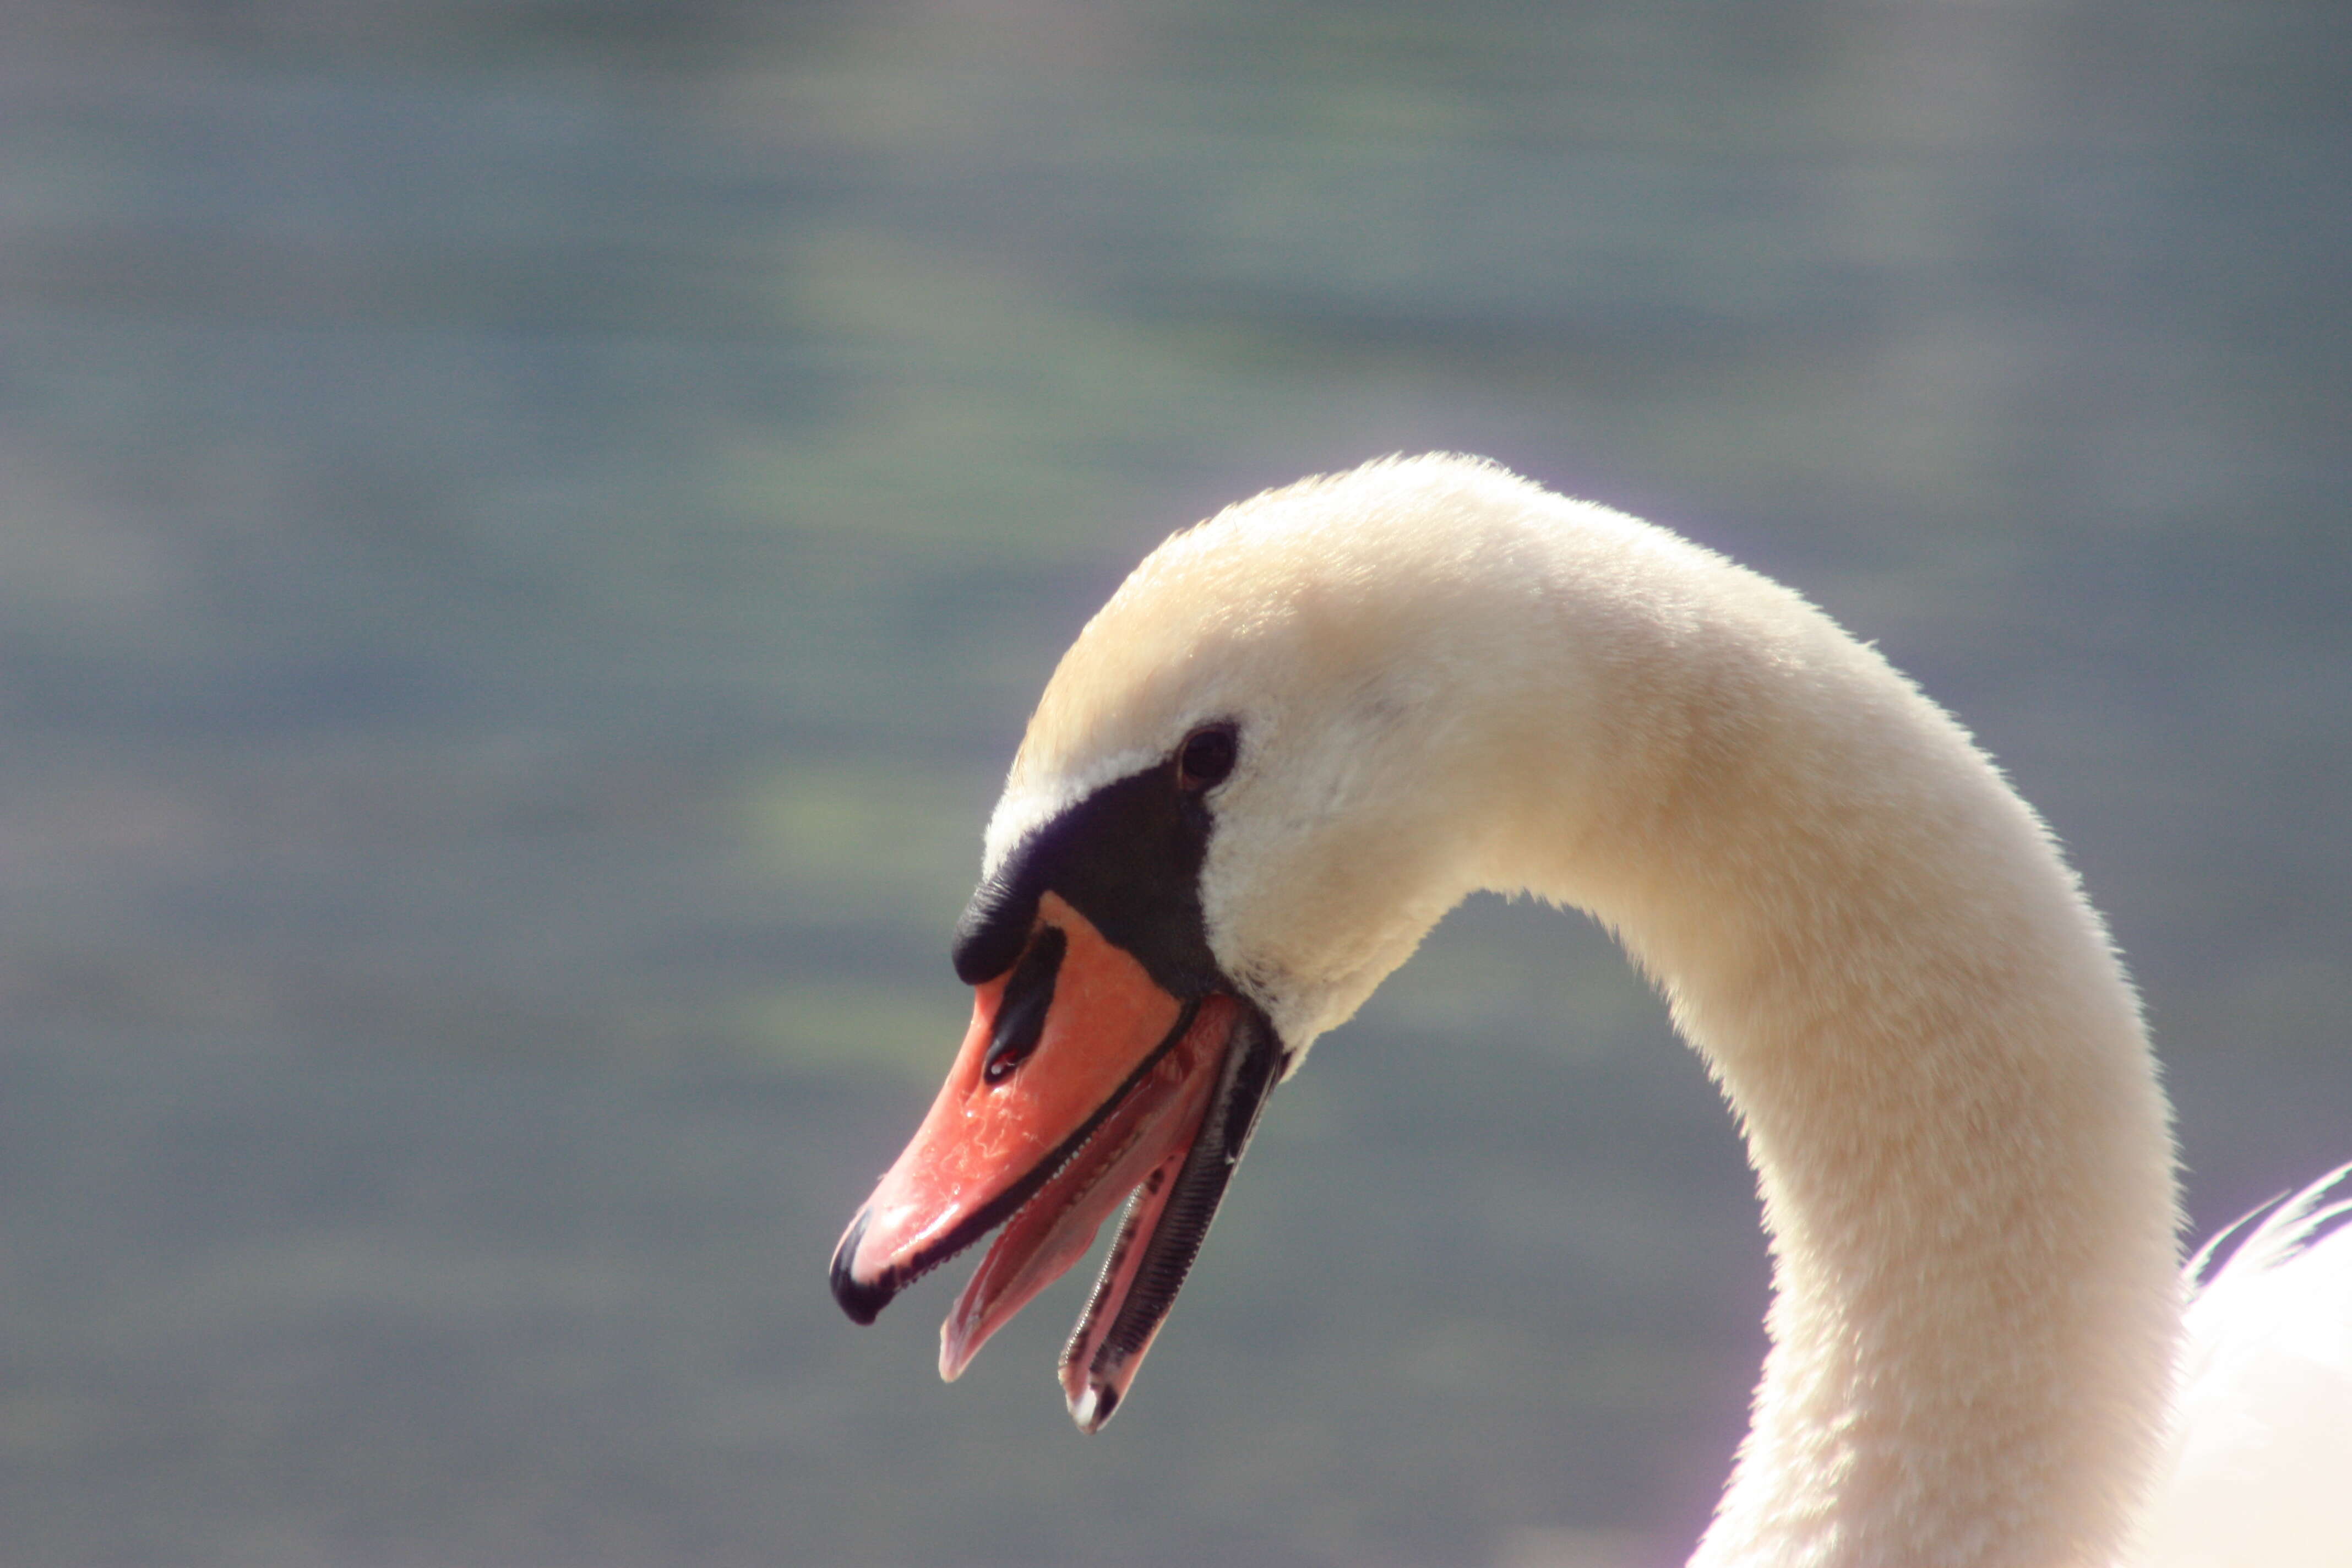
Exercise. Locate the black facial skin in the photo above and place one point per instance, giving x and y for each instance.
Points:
(1128, 859)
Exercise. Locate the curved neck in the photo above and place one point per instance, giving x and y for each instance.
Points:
(1964, 1159)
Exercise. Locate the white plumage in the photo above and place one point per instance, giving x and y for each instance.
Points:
(2262, 1413)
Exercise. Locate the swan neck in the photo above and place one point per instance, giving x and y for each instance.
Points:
(1938, 1066)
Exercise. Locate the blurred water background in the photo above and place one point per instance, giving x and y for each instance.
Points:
(527, 533)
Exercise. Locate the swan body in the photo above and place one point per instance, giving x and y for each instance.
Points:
(1302, 731)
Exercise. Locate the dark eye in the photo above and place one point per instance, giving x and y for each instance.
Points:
(1205, 758)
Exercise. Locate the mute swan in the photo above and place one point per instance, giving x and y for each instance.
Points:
(1303, 730)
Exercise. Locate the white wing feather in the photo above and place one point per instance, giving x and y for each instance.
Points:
(2262, 1466)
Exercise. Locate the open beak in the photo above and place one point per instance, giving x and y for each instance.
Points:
(1080, 1082)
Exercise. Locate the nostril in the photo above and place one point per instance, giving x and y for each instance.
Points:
(1020, 1011)
(1011, 1047)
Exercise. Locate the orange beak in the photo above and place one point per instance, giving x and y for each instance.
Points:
(1079, 1081)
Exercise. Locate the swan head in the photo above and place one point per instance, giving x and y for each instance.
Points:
(1262, 773)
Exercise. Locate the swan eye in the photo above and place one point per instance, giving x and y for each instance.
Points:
(1205, 758)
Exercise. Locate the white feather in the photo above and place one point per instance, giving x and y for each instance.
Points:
(2261, 1445)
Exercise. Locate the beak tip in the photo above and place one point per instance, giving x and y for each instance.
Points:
(1093, 1405)
(863, 1303)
